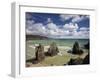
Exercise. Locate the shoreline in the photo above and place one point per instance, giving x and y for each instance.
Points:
(62, 54)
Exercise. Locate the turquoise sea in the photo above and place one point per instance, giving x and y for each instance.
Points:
(61, 42)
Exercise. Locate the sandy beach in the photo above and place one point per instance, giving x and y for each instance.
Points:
(61, 58)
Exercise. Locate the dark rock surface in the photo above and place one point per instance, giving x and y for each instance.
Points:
(75, 61)
(76, 49)
(86, 59)
(69, 51)
(79, 61)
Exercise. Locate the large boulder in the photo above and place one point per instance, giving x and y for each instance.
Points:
(53, 50)
(86, 60)
(76, 61)
(76, 49)
(39, 52)
(79, 61)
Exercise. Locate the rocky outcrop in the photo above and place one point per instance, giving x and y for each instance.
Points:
(76, 49)
(79, 61)
(76, 61)
(86, 59)
(39, 52)
(53, 50)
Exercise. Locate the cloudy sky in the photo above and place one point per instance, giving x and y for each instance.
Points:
(57, 25)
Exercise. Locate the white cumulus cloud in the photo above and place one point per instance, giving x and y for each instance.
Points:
(68, 30)
(71, 26)
(74, 17)
(84, 29)
(79, 18)
(65, 17)
(36, 29)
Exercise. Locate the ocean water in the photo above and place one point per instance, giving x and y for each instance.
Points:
(61, 42)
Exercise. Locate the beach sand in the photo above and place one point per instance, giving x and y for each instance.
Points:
(60, 59)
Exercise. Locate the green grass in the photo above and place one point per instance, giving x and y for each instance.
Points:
(56, 60)
(52, 61)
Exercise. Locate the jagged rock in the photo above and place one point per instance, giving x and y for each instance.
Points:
(53, 50)
(76, 49)
(79, 61)
(39, 52)
(69, 51)
(86, 60)
(76, 61)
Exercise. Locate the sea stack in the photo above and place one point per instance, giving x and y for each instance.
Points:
(76, 49)
(53, 50)
(39, 52)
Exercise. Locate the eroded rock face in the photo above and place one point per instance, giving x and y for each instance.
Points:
(75, 61)
(76, 49)
(53, 50)
(79, 61)
(86, 60)
(39, 52)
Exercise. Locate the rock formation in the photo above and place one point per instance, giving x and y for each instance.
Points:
(86, 60)
(76, 61)
(79, 61)
(53, 50)
(39, 52)
(76, 49)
